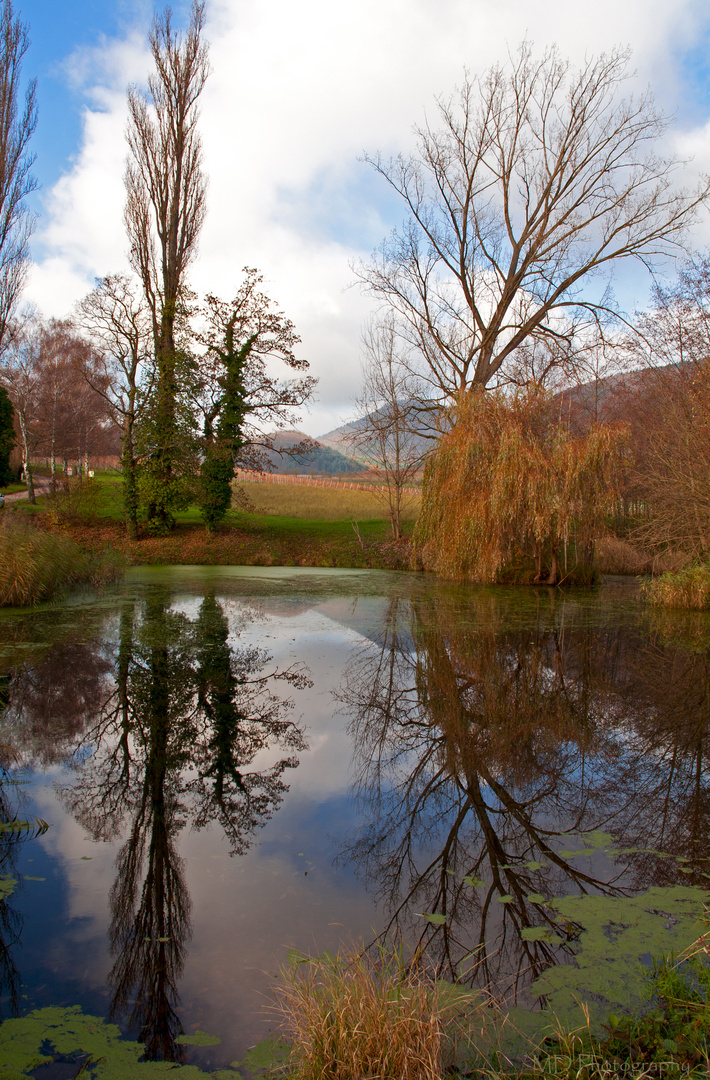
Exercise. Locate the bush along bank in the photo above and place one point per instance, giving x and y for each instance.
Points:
(686, 588)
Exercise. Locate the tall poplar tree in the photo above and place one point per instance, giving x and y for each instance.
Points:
(17, 124)
(165, 208)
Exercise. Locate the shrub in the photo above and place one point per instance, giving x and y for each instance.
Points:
(78, 505)
(36, 566)
(687, 588)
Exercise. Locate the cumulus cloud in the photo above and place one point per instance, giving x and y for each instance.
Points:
(297, 92)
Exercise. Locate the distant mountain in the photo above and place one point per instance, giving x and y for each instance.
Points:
(318, 458)
(339, 438)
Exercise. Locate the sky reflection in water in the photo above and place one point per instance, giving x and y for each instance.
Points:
(237, 761)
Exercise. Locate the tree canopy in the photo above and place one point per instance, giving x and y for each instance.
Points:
(538, 179)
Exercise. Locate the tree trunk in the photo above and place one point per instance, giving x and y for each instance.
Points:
(26, 460)
(130, 486)
(552, 579)
(52, 457)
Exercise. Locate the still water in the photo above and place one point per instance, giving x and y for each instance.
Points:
(219, 764)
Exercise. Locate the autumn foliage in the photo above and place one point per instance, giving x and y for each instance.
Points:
(512, 495)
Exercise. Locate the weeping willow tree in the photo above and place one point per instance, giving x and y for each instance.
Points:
(512, 495)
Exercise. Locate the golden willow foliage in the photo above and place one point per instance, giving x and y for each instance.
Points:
(512, 495)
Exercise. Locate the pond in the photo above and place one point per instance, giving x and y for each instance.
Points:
(208, 766)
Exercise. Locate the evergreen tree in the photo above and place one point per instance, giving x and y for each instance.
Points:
(236, 391)
(7, 436)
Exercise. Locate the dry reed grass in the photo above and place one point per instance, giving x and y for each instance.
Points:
(351, 1017)
(35, 566)
(614, 555)
(321, 504)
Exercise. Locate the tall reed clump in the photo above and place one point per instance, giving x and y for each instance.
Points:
(349, 1017)
(37, 566)
(686, 588)
(510, 486)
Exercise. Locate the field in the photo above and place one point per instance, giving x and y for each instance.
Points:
(289, 507)
(322, 504)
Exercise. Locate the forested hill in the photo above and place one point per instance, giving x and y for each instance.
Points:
(319, 459)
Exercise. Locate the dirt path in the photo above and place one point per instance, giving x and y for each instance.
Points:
(41, 484)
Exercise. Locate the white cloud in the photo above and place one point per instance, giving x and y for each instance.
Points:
(298, 91)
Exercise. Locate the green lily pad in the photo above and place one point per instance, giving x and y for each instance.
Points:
(8, 884)
(535, 933)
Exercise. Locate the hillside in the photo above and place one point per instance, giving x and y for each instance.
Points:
(319, 459)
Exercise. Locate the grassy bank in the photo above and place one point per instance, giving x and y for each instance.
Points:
(285, 526)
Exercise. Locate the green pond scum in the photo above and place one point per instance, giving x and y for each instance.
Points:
(46, 1036)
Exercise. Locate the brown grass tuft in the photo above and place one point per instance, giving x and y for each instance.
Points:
(351, 1017)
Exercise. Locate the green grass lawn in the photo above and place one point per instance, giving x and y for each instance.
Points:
(93, 516)
(103, 500)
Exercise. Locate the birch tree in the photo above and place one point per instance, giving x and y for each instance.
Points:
(117, 324)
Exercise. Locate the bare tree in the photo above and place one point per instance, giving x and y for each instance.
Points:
(20, 376)
(16, 182)
(72, 420)
(387, 434)
(538, 179)
(165, 207)
(118, 326)
(668, 403)
(56, 399)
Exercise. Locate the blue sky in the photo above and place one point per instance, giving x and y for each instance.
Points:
(298, 91)
(56, 31)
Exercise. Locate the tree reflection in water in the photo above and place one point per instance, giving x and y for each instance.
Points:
(173, 745)
(486, 741)
(48, 692)
(10, 918)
